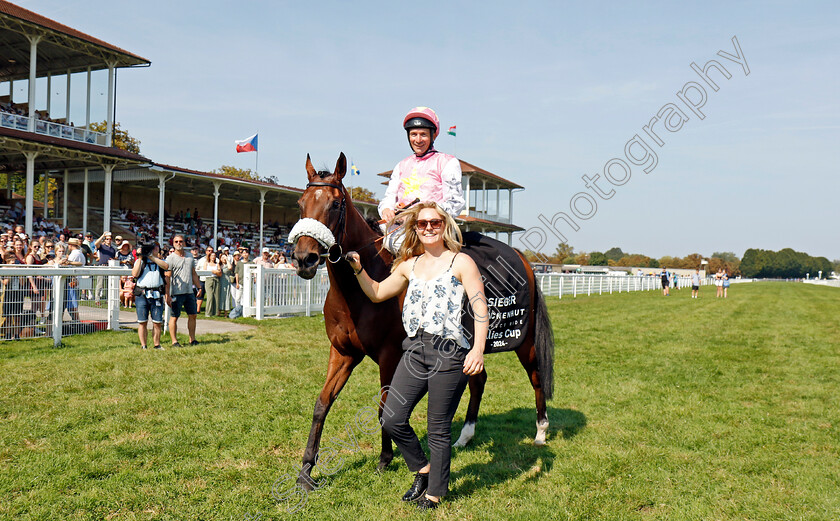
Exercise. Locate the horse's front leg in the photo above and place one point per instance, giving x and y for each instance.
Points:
(476, 383)
(339, 370)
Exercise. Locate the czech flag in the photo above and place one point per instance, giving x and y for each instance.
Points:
(451, 130)
(247, 145)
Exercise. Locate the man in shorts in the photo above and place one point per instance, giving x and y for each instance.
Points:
(180, 279)
(695, 283)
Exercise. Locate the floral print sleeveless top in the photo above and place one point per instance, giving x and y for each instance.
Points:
(435, 306)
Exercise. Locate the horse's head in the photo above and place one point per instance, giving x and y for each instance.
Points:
(323, 213)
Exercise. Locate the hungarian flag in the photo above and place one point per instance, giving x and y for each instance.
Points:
(451, 130)
(247, 145)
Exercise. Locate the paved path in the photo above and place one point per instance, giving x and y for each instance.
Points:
(129, 319)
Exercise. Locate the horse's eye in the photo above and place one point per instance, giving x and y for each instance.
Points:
(335, 205)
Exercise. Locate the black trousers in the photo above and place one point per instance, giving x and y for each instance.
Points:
(435, 366)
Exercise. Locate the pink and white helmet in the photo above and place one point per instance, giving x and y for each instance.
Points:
(422, 117)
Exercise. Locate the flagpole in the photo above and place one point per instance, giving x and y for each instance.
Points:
(257, 160)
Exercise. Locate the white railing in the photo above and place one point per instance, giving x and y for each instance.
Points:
(49, 128)
(574, 284)
(88, 299)
(280, 291)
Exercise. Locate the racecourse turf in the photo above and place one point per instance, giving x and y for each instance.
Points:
(665, 408)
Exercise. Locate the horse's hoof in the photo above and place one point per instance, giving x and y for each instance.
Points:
(383, 464)
(305, 483)
(542, 430)
(467, 433)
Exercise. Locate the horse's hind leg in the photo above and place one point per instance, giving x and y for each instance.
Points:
(528, 358)
(476, 383)
(338, 371)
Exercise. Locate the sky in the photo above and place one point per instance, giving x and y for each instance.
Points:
(542, 93)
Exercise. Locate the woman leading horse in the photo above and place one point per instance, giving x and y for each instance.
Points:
(437, 358)
(357, 327)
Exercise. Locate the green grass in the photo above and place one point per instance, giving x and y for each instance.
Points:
(665, 408)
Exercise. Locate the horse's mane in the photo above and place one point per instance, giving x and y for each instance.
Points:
(373, 222)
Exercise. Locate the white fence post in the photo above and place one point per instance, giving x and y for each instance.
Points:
(113, 296)
(247, 287)
(309, 297)
(260, 304)
(58, 308)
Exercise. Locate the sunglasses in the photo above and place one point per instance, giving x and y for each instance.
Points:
(422, 224)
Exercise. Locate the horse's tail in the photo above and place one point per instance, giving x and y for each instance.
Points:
(544, 344)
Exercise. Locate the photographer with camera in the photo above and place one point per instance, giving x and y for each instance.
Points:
(149, 292)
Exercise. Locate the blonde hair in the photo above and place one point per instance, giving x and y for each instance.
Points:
(412, 247)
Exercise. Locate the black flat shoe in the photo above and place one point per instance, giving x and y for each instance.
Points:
(418, 488)
(425, 503)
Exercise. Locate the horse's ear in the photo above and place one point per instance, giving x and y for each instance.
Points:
(310, 170)
(340, 167)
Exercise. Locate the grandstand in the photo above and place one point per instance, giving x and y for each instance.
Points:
(45, 54)
(101, 185)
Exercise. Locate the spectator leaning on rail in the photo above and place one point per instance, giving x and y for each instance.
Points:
(427, 175)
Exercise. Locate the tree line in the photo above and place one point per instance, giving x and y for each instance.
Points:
(756, 263)
(783, 264)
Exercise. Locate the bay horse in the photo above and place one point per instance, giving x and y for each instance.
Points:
(356, 327)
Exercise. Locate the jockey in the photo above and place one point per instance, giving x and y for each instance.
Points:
(427, 175)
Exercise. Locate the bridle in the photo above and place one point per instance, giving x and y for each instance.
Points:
(335, 253)
(328, 238)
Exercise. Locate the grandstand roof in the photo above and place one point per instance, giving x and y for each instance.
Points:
(490, 225)
(474, 171)
(55, 152)
(286, 195)
(60, 48)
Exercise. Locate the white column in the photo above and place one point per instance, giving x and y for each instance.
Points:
(67, 107)
(484, 207)
(64, 195)
(262, 207)
(49, 92)
(467, 194)
(510, 205)
(109, 117)
(87, 103)
(498, 191)
(106, 204)
(33, 63)
(161, 201)
(85, 204)
(215, 241)
(30, 185)
(46, 194)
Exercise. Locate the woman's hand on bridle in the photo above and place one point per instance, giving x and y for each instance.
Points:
(354, 260)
